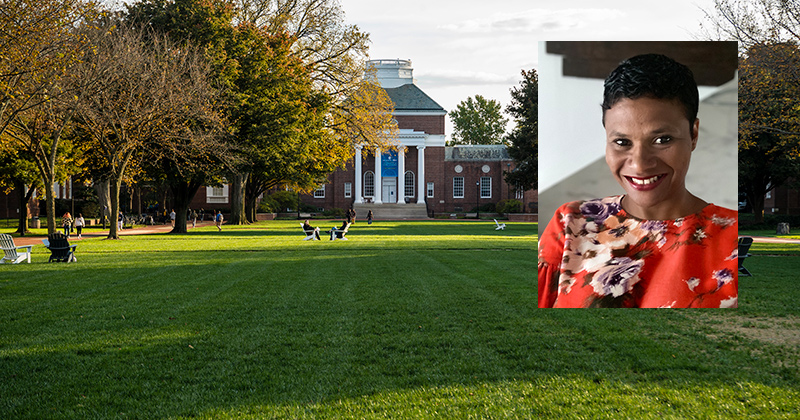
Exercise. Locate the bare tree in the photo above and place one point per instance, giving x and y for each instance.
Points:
(752, 21)
(149, 97)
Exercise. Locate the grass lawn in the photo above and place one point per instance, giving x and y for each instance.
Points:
(405, 320)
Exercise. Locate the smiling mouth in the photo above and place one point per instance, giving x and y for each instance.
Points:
(644, 181)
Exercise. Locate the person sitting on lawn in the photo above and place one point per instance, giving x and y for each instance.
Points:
(308, 228)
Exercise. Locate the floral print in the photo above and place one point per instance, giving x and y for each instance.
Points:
(593, 254)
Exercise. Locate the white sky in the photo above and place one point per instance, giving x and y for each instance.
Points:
(463, 48)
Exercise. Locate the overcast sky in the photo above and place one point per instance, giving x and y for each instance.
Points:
(463, 48)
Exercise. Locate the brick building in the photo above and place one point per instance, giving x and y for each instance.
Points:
(423, 177)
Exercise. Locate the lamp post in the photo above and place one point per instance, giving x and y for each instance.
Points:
(508, 186)
(477, 200)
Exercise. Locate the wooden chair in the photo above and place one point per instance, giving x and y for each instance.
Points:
(12, 252)
(60, 249)
(311, 235)
(744, 247)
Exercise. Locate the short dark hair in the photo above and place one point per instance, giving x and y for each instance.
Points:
(655, 76)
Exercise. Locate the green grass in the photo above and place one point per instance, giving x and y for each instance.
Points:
(404, 320)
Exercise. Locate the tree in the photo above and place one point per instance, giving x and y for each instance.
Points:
(43, 133)
(18, 172)
(753, 21)
(297, 76)
(524, 138)
(148, 100)
(478, 121)
(769, 120)
(38, 44)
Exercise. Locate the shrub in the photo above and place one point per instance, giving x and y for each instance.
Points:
(335, 213)
(90, 209)
(509, 206)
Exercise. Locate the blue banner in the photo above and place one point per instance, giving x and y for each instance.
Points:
(389, 164)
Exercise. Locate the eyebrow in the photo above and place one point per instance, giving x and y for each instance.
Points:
(660, 131)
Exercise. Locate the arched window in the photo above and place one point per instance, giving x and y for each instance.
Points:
(409, 184)
(369, 184)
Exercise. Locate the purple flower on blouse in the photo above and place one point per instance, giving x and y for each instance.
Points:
(599, 211)
(723, 277)
(617, 277)
(657, 226)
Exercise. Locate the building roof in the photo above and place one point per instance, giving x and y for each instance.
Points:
(477, 152)
(409, 97)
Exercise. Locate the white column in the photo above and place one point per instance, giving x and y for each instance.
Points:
(358, 192)
(421, 191)
(378, 182)
(401, 175)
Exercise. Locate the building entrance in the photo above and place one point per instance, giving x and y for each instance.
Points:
(389, 190)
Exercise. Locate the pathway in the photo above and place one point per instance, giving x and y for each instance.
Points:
(92, 233)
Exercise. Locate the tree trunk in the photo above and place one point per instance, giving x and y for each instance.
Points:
(183, 193)
(254, 189)
(51, 207)
(250, 207)
(22, 227)
(101, 187)
(113, 232)
(238, 216)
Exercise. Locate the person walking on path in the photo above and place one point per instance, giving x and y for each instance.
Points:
(218, 220)
(172, 217)
(194, 219)
(120, 220)
(66, 223)
(79, 222)
(369, 217)
(351, 215)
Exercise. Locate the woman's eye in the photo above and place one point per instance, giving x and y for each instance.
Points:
(663, 140)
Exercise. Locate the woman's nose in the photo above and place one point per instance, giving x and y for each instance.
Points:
(641, 158)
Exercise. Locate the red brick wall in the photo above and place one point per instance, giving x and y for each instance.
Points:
(431, 124)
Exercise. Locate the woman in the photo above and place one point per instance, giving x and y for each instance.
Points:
(66, 223)
(79, 222)
(658, 245)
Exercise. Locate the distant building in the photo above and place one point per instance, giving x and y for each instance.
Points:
(422, 177)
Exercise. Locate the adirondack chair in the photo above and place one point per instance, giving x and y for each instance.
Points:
(60, 249)
(339, 234)
(11, 251)
(499, 226)
(311, 235)
(744, 247)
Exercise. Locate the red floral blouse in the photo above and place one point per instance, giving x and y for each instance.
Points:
(594, 254)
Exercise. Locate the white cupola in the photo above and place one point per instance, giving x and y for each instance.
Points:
(393, 73)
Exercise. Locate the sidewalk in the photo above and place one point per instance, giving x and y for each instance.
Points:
(92, 233)
(770, 240)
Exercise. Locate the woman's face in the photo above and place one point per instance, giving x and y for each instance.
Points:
(648, 146)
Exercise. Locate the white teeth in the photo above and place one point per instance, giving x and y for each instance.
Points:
(646, 181)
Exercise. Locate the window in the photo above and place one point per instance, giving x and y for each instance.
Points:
(348, 189)
(769, 194)
(519, 192)
(217, 195)
(430, 190)
(369, 184)
(409, 190)
(320, 192)
(458, 187)
(486, 187)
